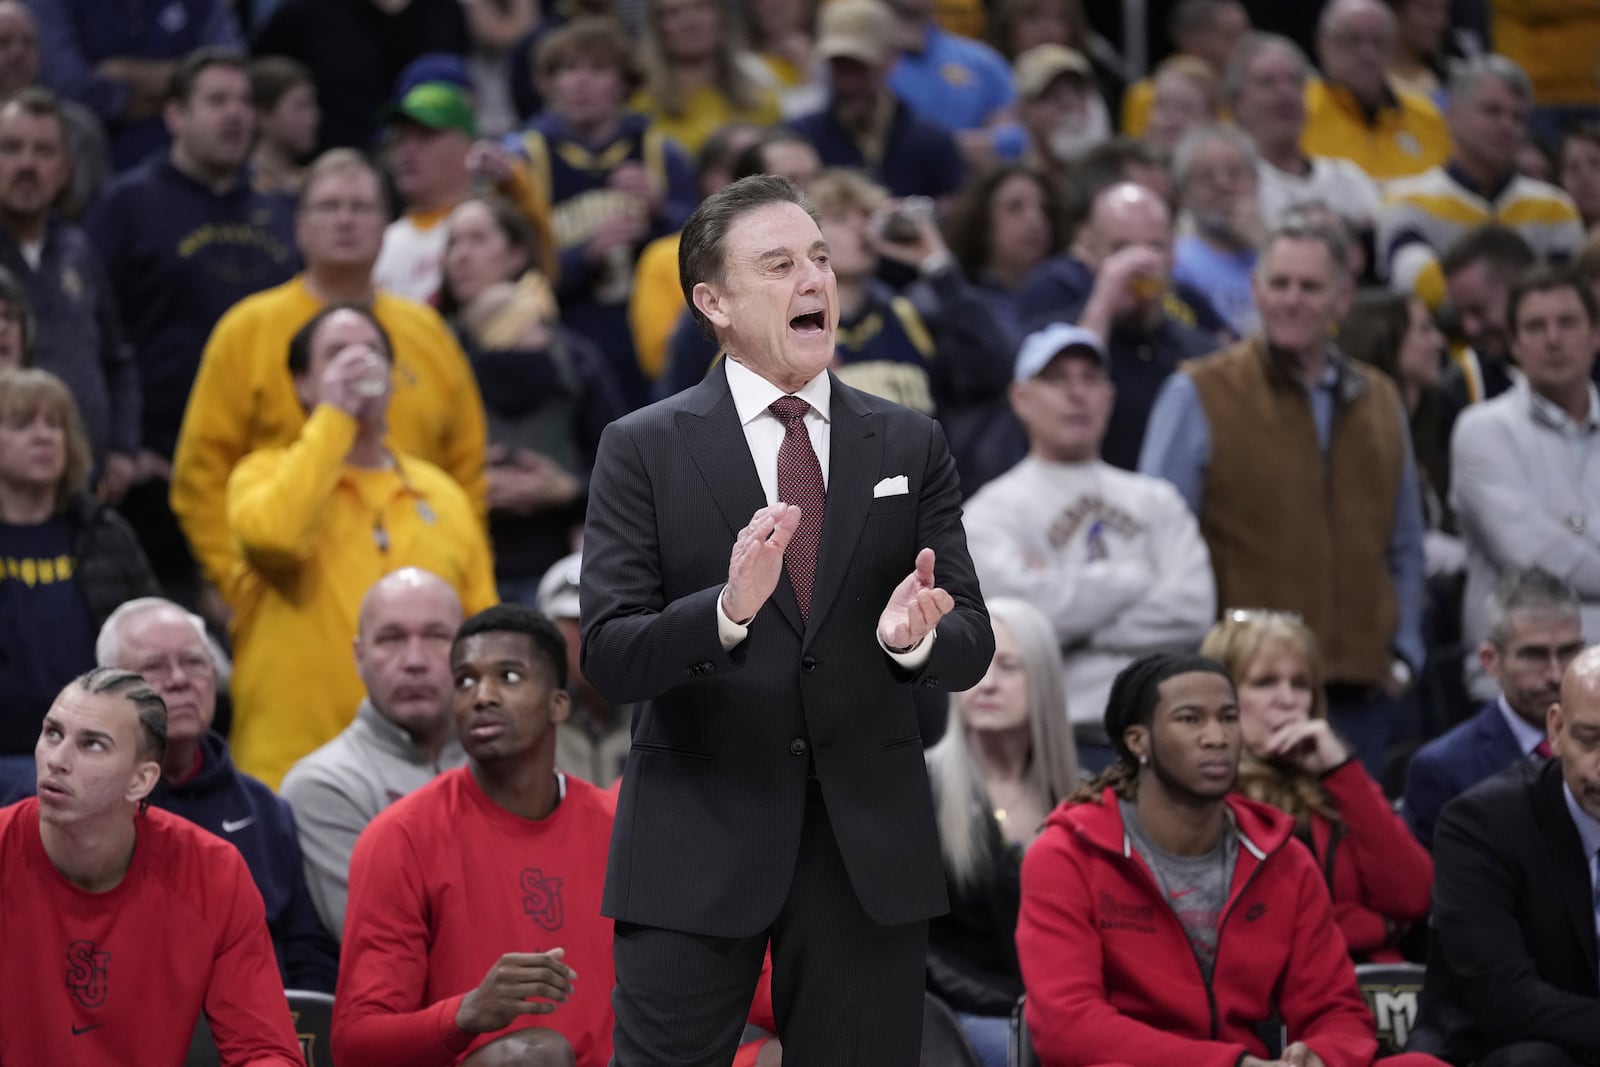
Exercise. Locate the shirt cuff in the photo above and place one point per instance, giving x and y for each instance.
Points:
(915, 657)
(730, 633)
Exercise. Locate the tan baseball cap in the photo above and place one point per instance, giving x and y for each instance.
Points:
(855, 29)
(1039, 67)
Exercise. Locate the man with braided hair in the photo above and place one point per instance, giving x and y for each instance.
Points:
(1160, 831)
(113, 908)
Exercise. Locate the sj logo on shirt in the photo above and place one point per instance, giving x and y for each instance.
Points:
(541, 899)
(87, 975)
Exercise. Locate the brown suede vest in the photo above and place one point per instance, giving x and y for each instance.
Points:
(1286, 529)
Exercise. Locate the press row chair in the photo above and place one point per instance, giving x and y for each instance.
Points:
(312, 1013)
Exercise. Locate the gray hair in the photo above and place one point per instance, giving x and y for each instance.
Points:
(962, 805)
(1184, 155)
(1336, 8)
(703, 248)
(1531, 591)
(1306, 226)
(1467, 74)
(1245, 54)
(108, 645)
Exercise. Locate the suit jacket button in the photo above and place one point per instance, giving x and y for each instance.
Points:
(930, 682)
(708, 668)
(808, 664)
(798, 747)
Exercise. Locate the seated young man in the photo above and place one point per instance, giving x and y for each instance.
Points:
(123, 923)
(473, 932)
(1166, 920)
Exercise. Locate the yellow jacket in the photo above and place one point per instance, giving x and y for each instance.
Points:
(244, 400)
(313, 535)
(1136, 101)
(656, 303)
(705, 111)
(1557, 42)
(1405, 138)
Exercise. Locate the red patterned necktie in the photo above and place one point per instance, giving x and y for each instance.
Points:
(1543, 749)
(800, 483)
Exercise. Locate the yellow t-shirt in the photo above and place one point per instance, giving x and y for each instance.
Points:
(244, 399)
(656, 303)
(705, 112)
(313, 535)
(1405, 138)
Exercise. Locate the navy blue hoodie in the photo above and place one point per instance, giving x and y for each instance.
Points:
(179, 255)
(240, 809)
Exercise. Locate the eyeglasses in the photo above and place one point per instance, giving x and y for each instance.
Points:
(1262, 615)
(190, 663)
(360, 208)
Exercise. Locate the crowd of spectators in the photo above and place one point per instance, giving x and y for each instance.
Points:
(1267, 361)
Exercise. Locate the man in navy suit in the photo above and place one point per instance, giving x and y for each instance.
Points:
(1513, 976)
(1535, 631)
(774, 560)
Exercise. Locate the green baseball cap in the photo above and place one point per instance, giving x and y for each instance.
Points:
(438, 106)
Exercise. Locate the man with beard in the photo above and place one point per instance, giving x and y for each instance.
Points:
(865, 124)
(1478, 272)
(1511, 958)
(1535, 631)
(1215, 171)
(184, 237)
(1161, 830)
(76, 334)
(402, 737)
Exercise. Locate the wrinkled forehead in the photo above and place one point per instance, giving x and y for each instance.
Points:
(767, 230)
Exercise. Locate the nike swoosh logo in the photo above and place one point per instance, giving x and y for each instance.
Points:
(230, 826)
(79, 1031)
(1179, 895)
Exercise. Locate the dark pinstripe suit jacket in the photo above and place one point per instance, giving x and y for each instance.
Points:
(713, 796)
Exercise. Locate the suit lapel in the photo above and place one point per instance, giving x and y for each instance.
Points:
(1565, 848)
(855, 449)
(711, 432)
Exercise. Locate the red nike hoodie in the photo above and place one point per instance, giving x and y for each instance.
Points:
(1111, 977)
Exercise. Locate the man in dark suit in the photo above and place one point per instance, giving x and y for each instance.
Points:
(774, 560)
(1512, 968)
(1535, 631)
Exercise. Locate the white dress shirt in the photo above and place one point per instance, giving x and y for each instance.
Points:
(1527, 735)
(763, 432)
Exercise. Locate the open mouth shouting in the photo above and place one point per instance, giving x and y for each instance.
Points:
(811, 322)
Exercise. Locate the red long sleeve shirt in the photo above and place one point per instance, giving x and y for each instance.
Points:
(91, 978)
(442, 884)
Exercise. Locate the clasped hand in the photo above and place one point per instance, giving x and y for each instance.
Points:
(914, 608)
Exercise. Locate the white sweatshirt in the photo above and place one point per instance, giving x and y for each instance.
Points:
(1114, 559)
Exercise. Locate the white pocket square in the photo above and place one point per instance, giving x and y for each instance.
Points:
(895, 486)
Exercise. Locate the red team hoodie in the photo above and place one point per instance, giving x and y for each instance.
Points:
(1110, 974)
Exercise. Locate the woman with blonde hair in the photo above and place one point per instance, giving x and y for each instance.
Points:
(1006, 759)
(698, 77)
(1378, 875)
(67, 560)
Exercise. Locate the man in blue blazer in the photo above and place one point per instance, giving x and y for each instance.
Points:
(1535, 632)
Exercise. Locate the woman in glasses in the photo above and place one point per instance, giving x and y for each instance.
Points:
(1379, 877)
